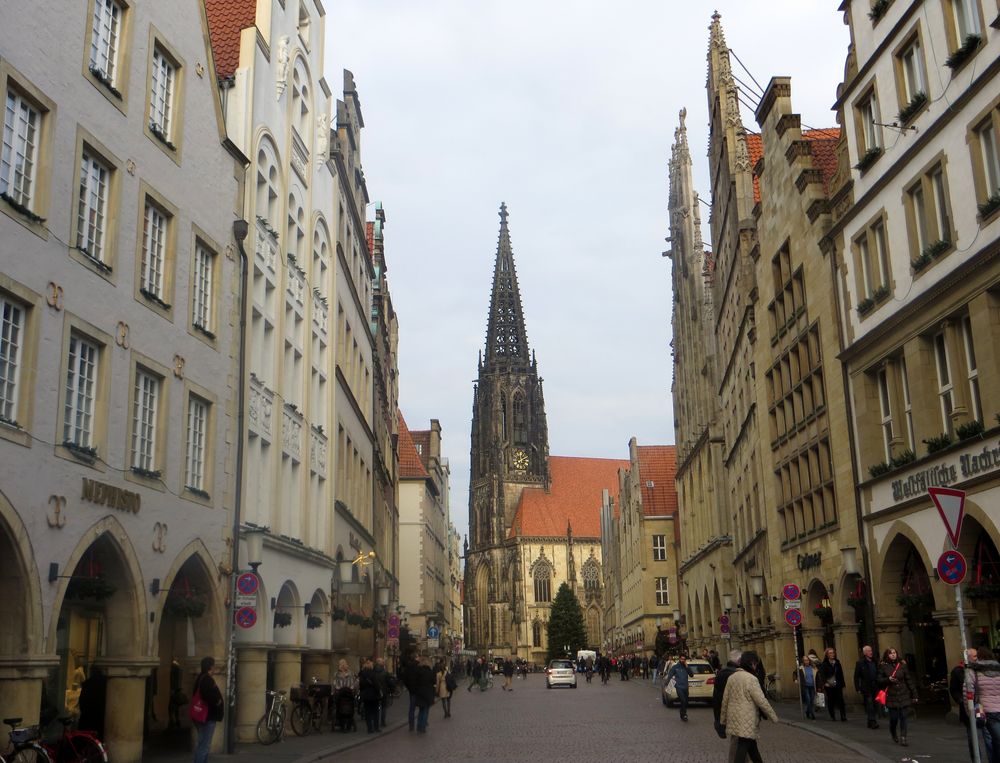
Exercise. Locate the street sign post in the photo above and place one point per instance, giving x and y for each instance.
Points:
(794, 617)
(952, 567)
(246, 617)
(793, 604)
(950, 504)
(791, 592)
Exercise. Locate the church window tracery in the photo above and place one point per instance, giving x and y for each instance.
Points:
(591, 575)
(542, 576)
(536, 633)
(520, 421)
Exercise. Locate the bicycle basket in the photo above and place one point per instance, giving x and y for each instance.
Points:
(298, 693)
(21, 736)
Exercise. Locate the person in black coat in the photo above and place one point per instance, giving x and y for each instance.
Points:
(424, 689)
(205, 686)
(409, 678)
(866, 684)
(370, 695)
(831, 674)
(720, 689)
(93, 701)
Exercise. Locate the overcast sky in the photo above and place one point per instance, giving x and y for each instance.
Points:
(565, 110)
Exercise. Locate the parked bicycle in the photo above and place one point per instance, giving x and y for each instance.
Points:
(76, 746)
(24, 746)
(311, 705)
(271, 726)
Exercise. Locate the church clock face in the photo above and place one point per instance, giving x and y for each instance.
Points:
(520, 460)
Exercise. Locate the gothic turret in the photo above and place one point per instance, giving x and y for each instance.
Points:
(506, 339)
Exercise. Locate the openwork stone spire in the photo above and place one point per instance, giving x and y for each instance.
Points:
(506, 339)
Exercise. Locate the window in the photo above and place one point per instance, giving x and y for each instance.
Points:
(543, 590)
(536, 634)
(81, 381)
(867, 118)
(988, 184)
(945, 389)
(662, 593)
(907, 403)
(659, 548)
(928, 211)
(161, 96)
(144, 413)
(885, 409)
(197, 431)
(202, 302)
(92, 207)
(154, 242)
(105, 31)
(520, 421)
(19, 155)
(965, 15)
(873, 253)
(11, 340)
(911, 68)
(303, 25)
(973, 370)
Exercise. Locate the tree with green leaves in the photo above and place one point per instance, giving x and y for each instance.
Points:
(566, 628)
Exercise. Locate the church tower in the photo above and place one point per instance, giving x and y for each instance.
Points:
(509, 452)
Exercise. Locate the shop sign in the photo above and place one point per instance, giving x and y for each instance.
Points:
(962, 467)
(808, 561)
(111, 496)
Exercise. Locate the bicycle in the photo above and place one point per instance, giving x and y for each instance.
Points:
(309, 709)
(771, 687)
(271, 726)
(24, 746)
(76, 746)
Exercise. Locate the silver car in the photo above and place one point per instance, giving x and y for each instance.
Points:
(560, 673)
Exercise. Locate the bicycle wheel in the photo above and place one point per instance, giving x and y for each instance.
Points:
(31, 754)
(301, 720)
(266, 733)
(87, 749)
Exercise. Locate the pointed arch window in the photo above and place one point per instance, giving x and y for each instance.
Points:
(591, 575)
(543, 583)
(536, 634)
(520, 421)
(503, 416)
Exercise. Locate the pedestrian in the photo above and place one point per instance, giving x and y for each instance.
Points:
(679, 673)
(866, 683)
(985, 686)
(720, 688)
(831, 673)
(485, 671)
(956, 689)
(508, 675)
(807, 688)
(93, 701)
(210, 696)
(813, 658)
(410, 677)
(370, 694)
(645, 668)
(385, 686)
(713, 660)
(474, 673)
(901, 691)
(743, 703)
(445, 686)
(424, 686)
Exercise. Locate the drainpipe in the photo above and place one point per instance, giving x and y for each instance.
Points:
(240, 230)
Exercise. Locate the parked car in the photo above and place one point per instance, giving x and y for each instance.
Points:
(700, 685)
(560, 673)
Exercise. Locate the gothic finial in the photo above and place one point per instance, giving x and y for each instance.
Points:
(503, 213)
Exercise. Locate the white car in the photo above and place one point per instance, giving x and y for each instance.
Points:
(560, 673)
(701, 684)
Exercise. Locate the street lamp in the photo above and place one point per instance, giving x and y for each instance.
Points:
(727, 602)
(255, 547)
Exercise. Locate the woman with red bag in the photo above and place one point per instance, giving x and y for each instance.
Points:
(207, 708)
(900, 692)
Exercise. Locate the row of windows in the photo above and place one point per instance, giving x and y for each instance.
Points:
(85, 394)
(805, 488)
(795, 386)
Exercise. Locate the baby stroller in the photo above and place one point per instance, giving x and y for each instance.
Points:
(344, 709)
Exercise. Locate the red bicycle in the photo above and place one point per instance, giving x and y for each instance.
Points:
(76, 746)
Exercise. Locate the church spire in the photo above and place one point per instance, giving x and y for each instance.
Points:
(506, 339)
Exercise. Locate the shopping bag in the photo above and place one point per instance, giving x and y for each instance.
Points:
(880, 698)
(821, 700)
(198, 710)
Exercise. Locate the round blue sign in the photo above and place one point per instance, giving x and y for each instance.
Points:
(793, 617)
(433, 632)
(791, 592)
(952, 567)
(247, 584)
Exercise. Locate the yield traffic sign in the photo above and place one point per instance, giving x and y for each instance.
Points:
(951, 567)
(951, 506)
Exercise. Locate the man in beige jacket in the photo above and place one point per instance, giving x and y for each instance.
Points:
(742, 704)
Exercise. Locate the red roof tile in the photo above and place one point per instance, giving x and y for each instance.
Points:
(755, 147)
(573, 498)
(824, 152)
(370, 237)
(410, 465)
(422, 442)
(657, 469)
(226, 20)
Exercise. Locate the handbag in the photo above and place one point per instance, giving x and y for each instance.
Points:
(672, 683)
(820, 701)
(881, 698)
(198, 711)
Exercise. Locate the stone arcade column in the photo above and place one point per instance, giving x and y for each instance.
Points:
(251, 683)
(888, 632)
(317, 663)
(125, 705)
(21, 689)
(287, 668)
(948, 618)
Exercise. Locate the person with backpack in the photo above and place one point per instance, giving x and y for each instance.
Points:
(446, 685)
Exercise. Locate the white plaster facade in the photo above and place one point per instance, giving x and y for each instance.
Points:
(98, 329)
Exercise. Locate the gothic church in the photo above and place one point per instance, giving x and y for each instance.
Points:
(534, 519)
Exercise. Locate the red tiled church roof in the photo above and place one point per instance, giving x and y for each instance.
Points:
(422, 442)
(226, 20)
(658, 465)
(573, 498)
(410, 465)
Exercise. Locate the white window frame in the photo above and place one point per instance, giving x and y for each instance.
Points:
(12, 325)
(659, 549)
(197, 443)
(81, 391)
(940, 192)
(22, 129)
(966, 16)
(868, 112)
(912, 64)
(92, 206)
(203, 284)
(919, 203)
(104, 40)
(155, 225)
(145, 409)
(972, 369)
(907, 403)
(662, 591)
(946, 392)
(885, 410)
(163, 83)
(990, 148)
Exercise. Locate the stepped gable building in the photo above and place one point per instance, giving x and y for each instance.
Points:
(534, 520)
